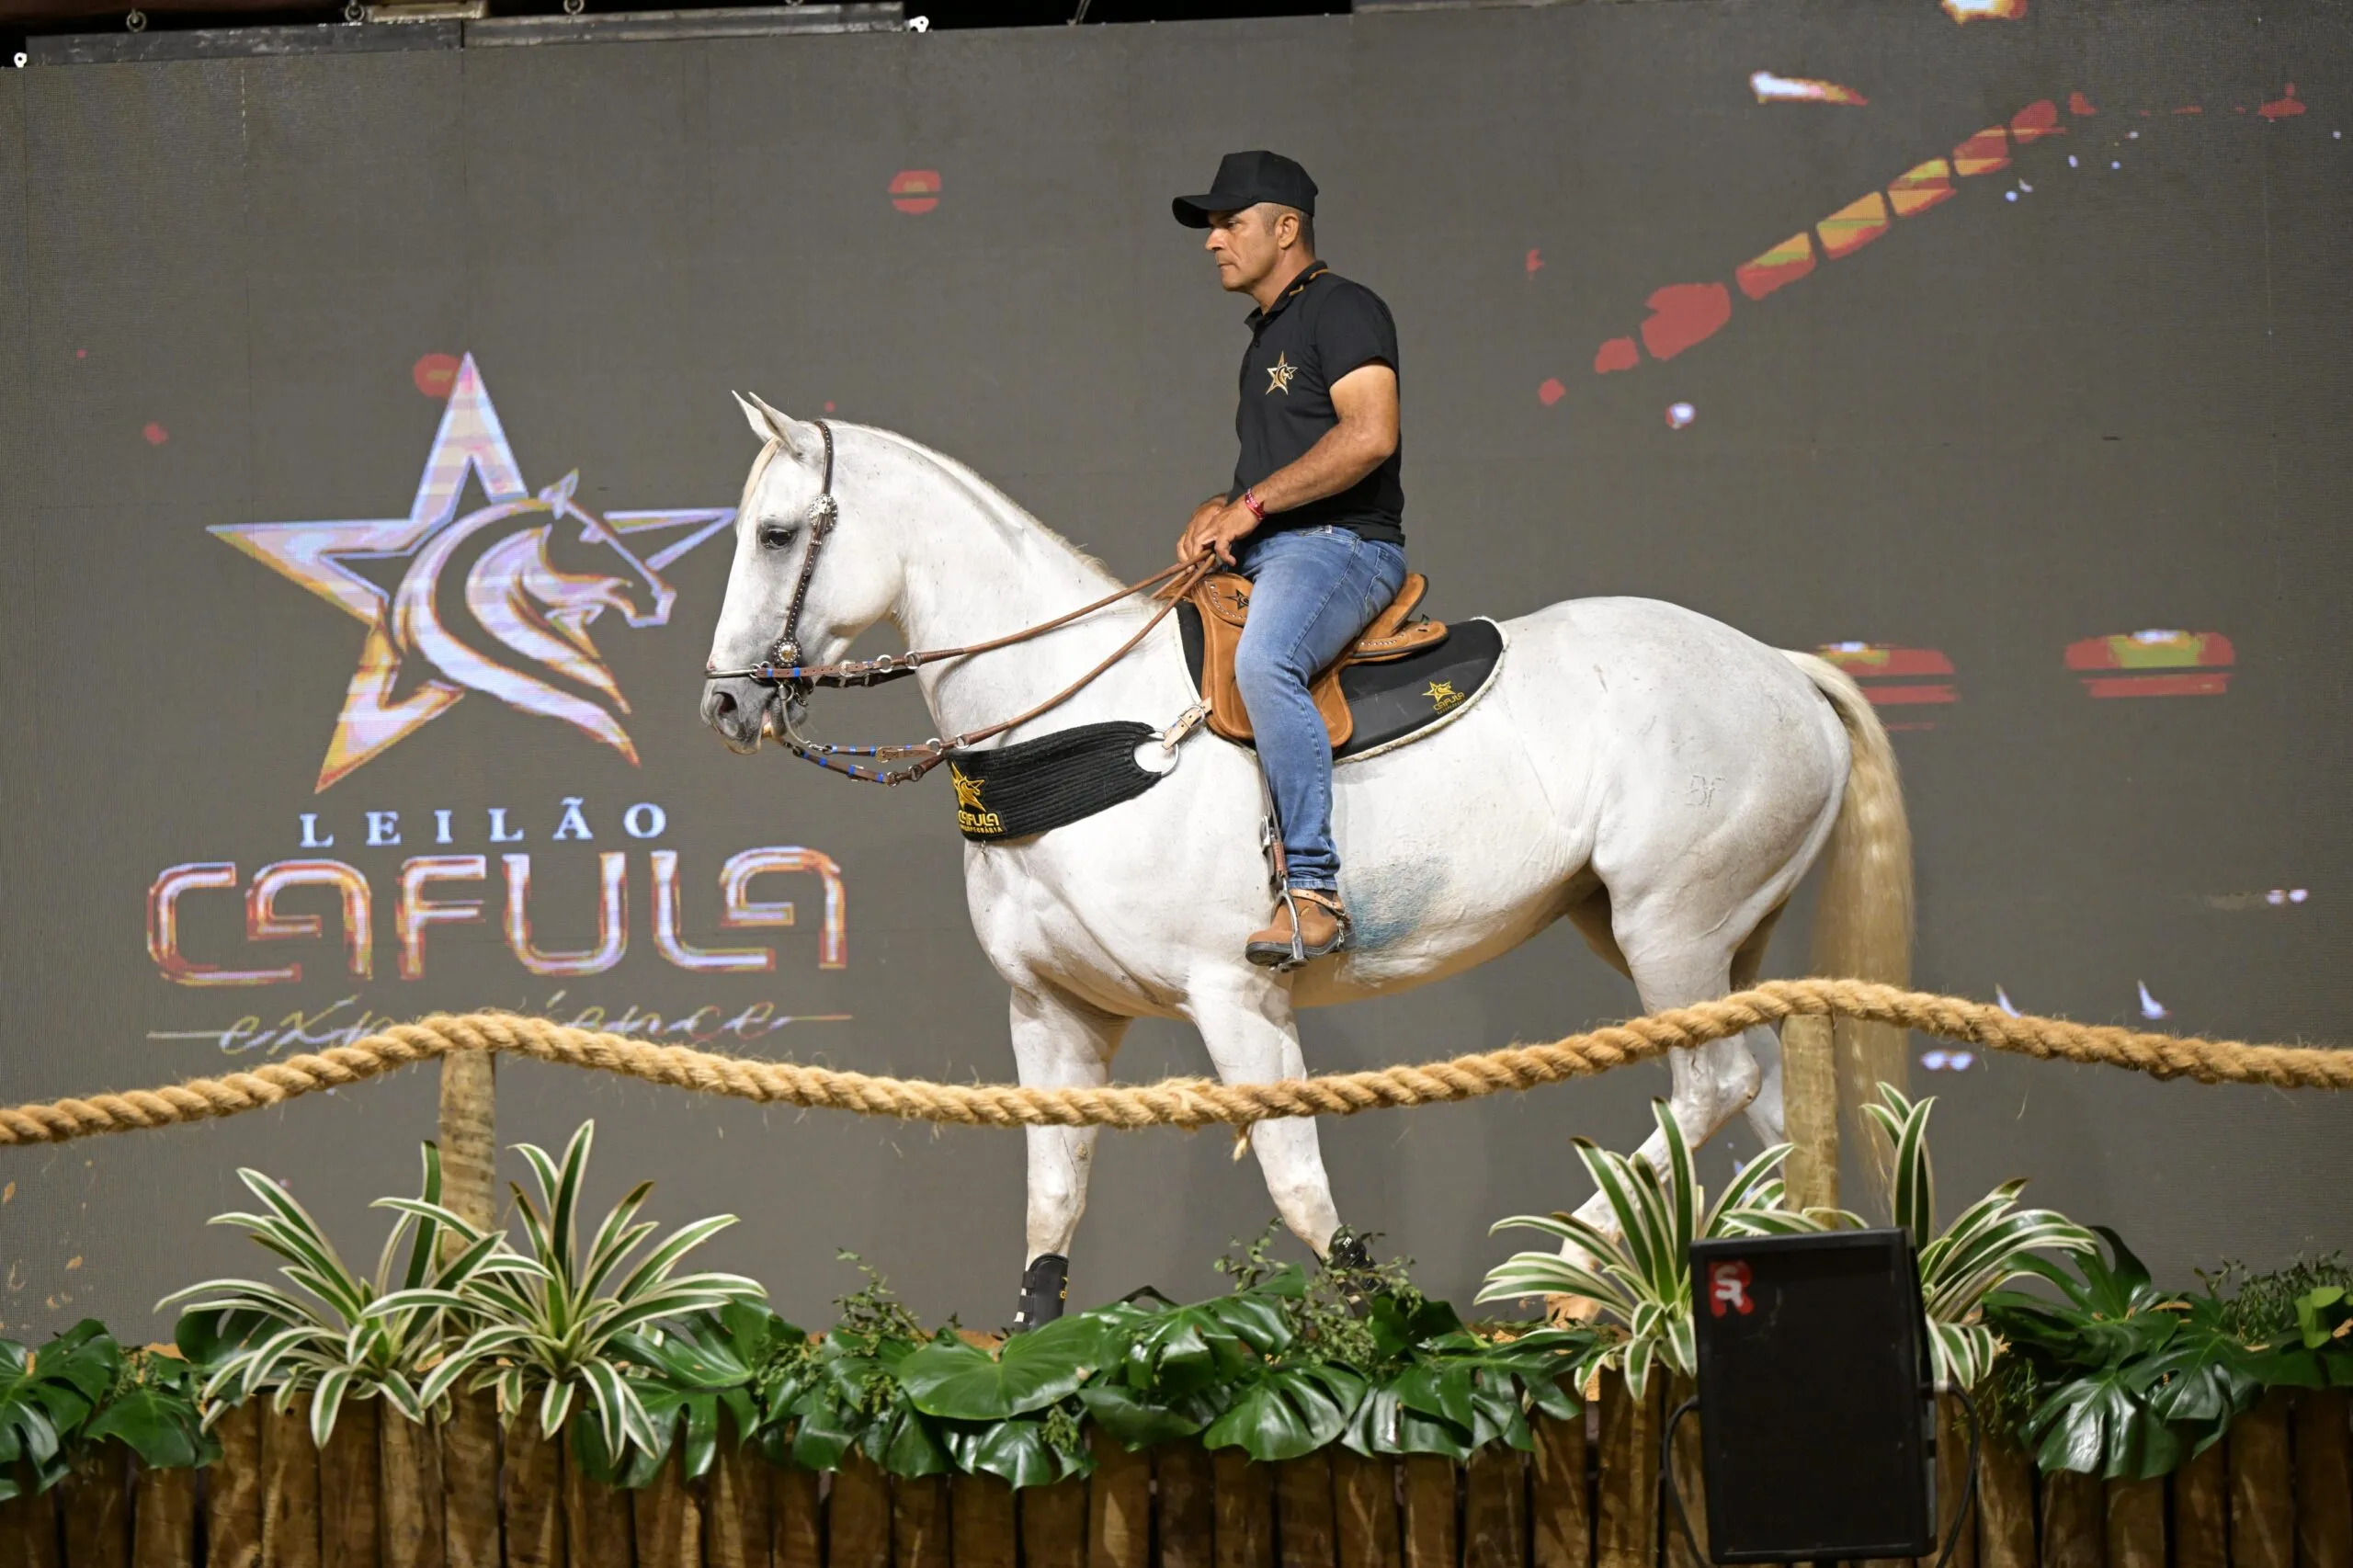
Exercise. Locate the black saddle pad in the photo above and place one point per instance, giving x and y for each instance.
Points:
(1394, 701)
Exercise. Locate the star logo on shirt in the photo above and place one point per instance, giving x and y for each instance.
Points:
(1279, 373)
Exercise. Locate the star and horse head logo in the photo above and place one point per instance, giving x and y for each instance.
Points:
(528, 641)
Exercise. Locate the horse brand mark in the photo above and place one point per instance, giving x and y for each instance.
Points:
(528, 644)
(1728, 1288)
(1279, 373)
(970, 815)
(1443, 696)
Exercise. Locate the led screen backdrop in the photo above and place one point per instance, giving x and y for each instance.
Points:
(369, 462)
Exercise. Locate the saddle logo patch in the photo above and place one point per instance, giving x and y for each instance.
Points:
(1443, 696)
(1279, 373)
(970, 815)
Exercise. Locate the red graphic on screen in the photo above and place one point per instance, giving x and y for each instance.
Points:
(1920, 188)
(1776, 268)
(1853, 226)
(2155, 663)
(1966, 11)
(156, 435)
(2283, 105)
(916, 190)
(1771, 88)
(435, 374)
(1683, 314)
(1897, 678)
(1551, 391)
(1535, 262)
(1728, 1285)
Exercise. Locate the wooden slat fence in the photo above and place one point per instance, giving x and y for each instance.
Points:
(2277, 1494)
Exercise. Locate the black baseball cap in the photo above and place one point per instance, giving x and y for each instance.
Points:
(1244, 179)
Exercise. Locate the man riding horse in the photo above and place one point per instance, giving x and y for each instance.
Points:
(1314, 517)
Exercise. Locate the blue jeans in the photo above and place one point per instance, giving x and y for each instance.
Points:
(1314, 591)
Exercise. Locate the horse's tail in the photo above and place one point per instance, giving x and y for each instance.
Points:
(1862, 926)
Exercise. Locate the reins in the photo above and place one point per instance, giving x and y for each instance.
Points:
(783, 667)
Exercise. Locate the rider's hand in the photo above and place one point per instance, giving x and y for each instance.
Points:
(1216, 525)
(1193, 541)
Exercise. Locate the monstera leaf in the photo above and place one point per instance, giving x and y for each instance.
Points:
(45, 1398)
(1289, 1413)
(961, 1381)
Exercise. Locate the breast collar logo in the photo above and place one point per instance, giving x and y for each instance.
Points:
(524, 633)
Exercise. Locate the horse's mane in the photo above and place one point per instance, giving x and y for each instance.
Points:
(1000, 508)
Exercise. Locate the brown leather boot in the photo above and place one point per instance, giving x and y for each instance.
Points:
(1308, 924)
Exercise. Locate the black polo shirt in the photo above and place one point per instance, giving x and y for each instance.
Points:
(1322, 328)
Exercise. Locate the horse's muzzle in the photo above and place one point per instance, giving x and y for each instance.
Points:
(737, 706)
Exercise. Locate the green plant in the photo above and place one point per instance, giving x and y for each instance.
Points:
(45, 1397)
(1641, 1277)
(1992, 1241)
(155, 1409)
(2096, 1352)
(568, 1324)
(346, 1335)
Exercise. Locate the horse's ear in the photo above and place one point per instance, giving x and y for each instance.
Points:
(772, 423)
(754, 418)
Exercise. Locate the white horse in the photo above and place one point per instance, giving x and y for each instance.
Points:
(1658, 777)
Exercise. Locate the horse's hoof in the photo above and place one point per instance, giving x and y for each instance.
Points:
(1045, 1286)
(1570, 1312)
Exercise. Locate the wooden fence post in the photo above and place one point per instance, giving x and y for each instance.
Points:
(1053, 1524)
(2263, 1502)
(349, 1472)
(2200, 1526)
(1627, 1530)
(95, 1499)
(1306, 1523)
(409, 1508)
(669, 1523)
(2324, 1478)
(290, 1486)
(1245, 1510)
(1952, 1481)
(858, 1517)
(1691, 1486)
(1119, 1506)
(1188, 1507)
(796, 1518)
(735, 1523)
(982, 1513)
(533, 1475)
(2005, 1504)
(1432, 1537)
(164, 1533)
(2074, 1524)
(918, 1522)
(233, 1495)
(1364, 1496)
(28, 1530)
(598, 1532)
(1495, 1509)
(1560, 1513)
(2136, 1524)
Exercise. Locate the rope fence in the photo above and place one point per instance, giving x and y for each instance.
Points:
(1178, 1102)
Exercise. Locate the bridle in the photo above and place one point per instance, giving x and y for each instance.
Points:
(783, 667)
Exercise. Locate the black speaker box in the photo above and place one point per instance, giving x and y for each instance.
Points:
(1817, 1417)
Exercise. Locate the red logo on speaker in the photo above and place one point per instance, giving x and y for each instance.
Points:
(1728, 1288)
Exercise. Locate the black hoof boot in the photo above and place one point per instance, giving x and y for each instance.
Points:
(1045, 1285)
(1350, 1257)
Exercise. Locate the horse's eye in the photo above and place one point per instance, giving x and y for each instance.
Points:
(775, 536)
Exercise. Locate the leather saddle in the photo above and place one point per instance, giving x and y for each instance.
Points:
(1222, 604)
